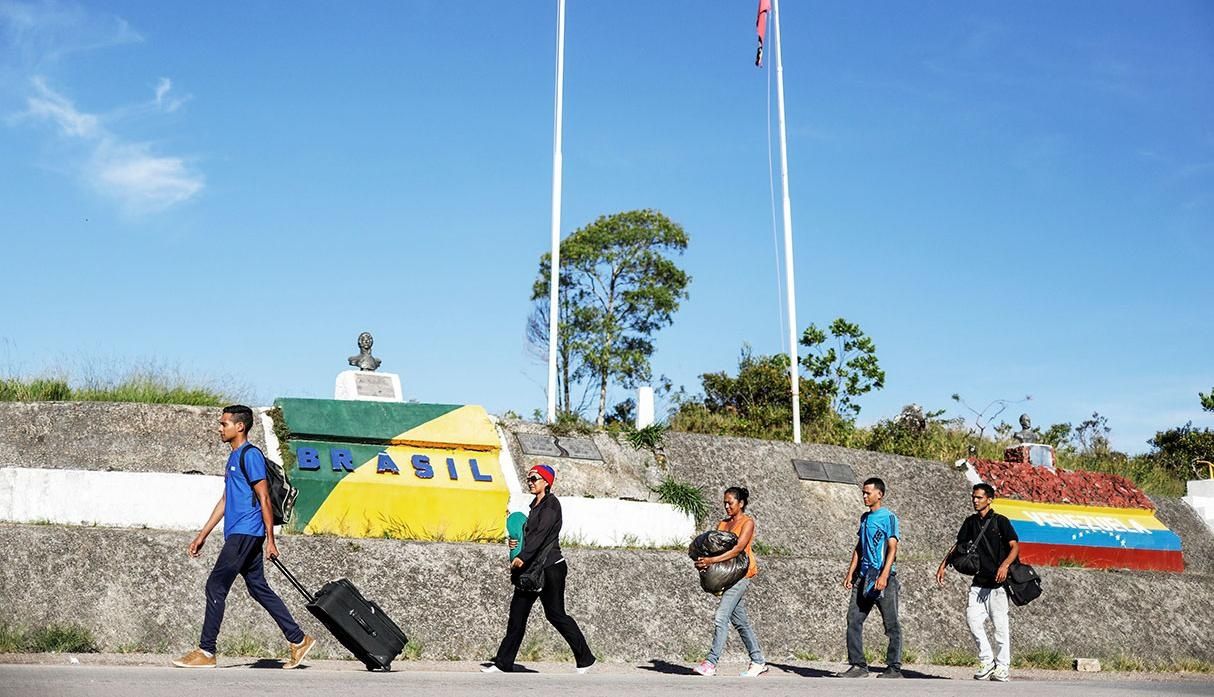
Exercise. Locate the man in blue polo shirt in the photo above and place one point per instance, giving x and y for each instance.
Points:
(873, 580)
(248, 530)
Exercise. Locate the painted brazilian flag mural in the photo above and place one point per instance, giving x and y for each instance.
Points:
(407, 471)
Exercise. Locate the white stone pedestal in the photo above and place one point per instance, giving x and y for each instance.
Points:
(644, 406)
(365, 386)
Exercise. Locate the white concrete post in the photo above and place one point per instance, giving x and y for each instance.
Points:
(644, 406)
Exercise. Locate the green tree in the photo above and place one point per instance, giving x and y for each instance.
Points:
(757, 402)
(618, 288)
(1178, 449)
(1207, 400)
(569, 369)
(844, 368)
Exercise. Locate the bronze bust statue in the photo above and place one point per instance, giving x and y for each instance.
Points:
(364, 360)
(1027, 433)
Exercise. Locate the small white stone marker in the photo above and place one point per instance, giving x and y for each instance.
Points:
(1087, 665)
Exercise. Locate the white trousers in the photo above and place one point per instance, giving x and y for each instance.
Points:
(990, 603)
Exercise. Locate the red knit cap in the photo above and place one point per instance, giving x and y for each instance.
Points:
(545, 472)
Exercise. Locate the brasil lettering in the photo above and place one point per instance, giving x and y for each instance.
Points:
(342, 460)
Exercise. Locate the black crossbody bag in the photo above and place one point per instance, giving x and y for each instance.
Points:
(1023, 585)
(967, 562)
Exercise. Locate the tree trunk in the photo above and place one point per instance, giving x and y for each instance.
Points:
(602, 399)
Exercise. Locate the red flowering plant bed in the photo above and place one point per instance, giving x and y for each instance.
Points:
(1020, 480)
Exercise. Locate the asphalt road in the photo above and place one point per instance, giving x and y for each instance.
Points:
(58, 678)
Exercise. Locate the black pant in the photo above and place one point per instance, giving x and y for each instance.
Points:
(553, 598)
(857, 612)
(241, 555)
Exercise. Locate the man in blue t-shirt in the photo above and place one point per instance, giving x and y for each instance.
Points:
(873, 580)
(248, 530)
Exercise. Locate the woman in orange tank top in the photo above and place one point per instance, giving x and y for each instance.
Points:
(733, 603)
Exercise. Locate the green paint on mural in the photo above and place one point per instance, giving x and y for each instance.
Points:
(368, 422)
(316, 485)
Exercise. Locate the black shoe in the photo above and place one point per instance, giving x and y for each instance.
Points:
(855, 672)
(890, 672)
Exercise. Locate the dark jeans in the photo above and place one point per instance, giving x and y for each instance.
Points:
(858, 611)
(553, 598)
(241, 555)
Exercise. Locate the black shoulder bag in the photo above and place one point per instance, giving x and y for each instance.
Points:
(1023, 585)
(530, 578)
(966, 561)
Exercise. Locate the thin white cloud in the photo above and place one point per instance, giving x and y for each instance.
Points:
(36, 34)
(50, 105)
(140, 181)
(165, 102)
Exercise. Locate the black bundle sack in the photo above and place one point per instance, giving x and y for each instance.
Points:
(719, 577)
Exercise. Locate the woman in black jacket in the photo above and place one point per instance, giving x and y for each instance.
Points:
(541, 538)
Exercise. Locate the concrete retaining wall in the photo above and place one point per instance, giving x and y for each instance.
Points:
(138, 588)
(105, 436)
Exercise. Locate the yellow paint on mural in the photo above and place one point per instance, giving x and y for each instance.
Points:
(1131, 518)
(367, 503)
(466, 427)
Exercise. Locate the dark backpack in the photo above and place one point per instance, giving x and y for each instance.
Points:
(282, 494)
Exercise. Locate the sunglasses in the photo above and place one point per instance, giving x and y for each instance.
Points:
(533, 479)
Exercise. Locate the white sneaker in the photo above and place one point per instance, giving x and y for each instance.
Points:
(583, 669)
(754, 670)
(706, 669)
(1001, 674)
(984, 671)
(491, 668)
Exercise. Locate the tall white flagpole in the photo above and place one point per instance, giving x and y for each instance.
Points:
(554, 279)
(794, 364)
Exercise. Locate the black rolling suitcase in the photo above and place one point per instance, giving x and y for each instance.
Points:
(359, 624)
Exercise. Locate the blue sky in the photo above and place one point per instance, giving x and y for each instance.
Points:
(1011, 199)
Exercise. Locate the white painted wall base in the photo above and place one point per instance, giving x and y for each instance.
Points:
(620, 523)
(1201, 499)
(605, 522)
(118, 499)
(184, 501)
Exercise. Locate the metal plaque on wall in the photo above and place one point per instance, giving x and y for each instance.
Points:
(535, 444)
(824, 471)
(552, 446)
(372, 385)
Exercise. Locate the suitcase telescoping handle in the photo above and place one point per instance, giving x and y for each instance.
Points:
(291, 577)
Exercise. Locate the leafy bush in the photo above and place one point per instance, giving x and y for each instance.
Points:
(649, 437)
(569, 423)
(685, 497)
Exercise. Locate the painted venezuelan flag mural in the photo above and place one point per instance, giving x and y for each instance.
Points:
(1095, 536)
(405, 471)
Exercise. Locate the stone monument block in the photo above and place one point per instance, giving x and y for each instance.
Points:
(366, 386)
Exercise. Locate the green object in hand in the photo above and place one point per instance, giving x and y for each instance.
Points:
(514, 530)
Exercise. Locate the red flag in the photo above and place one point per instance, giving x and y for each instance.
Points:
(761, 29)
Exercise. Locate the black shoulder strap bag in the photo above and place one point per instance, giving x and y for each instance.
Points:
(1023, 585)
(966, 561)
(530, 578)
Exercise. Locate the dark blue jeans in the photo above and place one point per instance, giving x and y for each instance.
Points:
(241, 555)
(857, 612)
